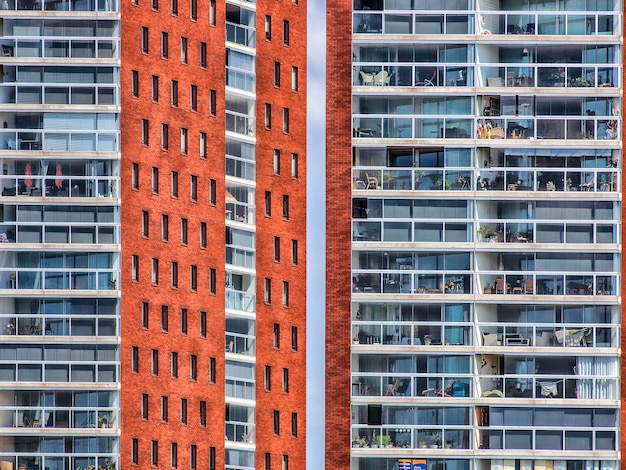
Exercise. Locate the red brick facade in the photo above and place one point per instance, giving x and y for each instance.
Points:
(338, 210)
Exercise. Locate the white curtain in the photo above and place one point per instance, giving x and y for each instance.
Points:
(601, 382)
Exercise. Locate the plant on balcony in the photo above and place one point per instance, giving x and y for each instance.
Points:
(487, 231)
(443, 184)
(385, 441)
(550, 186)
(450, 286)
(579, 82)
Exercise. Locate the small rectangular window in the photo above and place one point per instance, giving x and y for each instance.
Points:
(144, 406)
(285, 32)
(212, 449)
(276, 162)
(174, 274)
(145, 224)
(202, 234)
(165, 47)
(134, 84)
(212, 12)
(134, 179)
(277, 249)
(165, 412)
(184, 225)
(268, 27)
(285, 380)
(155, 88)
(165, 136)
(203, 54)
(134, 450)
(183, 50)
(193, 457)
(155, 362)
(276, 74)
(212, 192)
(183, 410)
(212, 371)
(268, 203)
(193, 12)
(276, 337)
(174, 183)
(267, 294)
(294, 338)
(212, 281)
(294, 424)
(144, 39)
(134, 359)
(183, 141)
(183, 321)
(174, 365)
(212, 102)
(155, 180)
(276, 422)
(193, 277)
(145, 315)
(193, 97)
(294, 78)
(155, 271)
(285, 294)
(286, 120)
(285, 206)
(193, 367)
(202, 413)
(203, 324)
(145, 132)
(154, 453)
(164, 318)
(155, 4)
(174, 7)
(174, 93)
(294, 252)
(285, 462)
(135, 268)
(165, 222)
(202, 144)
(267, 461)
(193, 188)
(268, 116)
(267, 378)
(174, 454)
(294, 165)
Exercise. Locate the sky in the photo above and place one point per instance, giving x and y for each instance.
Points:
(316, 237)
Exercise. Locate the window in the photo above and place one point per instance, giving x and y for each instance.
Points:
(285, 206)
(212, 281)
(203, 324)
(212, 102)
(203, 55)
(174, 455)
(193, 277)
(285, 462)
(193, 97)
(165, 222)
(193, 188)
(134, 84)
(174, 183)
(165, 131)
(144, 406)
(202, 413)
(212, 449)
(268, 116)
(276, 422)
(267, 461)
(212, 191)
(174, 93)
(267, 378)
(183, 231)
(202, 144)
(145, 224)
(193, 14)
(134, 359)
(145, 314)
(155, 88)
(134, 450)
(134, 271)
(294, 252)
(144, 39)
(183, 141)
(155, 4)
(285, 380)
(145, 132)
(164, 409)
(164, 318)
(134, 176)
(286, 120)
(174, 274)
(276, 162)
(294, 424)
(268, 27)
(285, 32)
(294, 165)
(174, 365)
(154, 453)
(155, 362)
(294, 338)
(165, 46)
(155, 271)
(183, 411)
(276, 249)
(267, 295)
(183, 321)
(174, 7)
(268, 203)
(202, 234)
(276, 74)
(155, 180)
(277, 335)
(183, 50)
(212, 371)
(193, 367)
(212, 12)
(193, 456)
(285, 294)
(294, 78)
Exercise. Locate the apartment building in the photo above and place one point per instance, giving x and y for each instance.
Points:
(474, 187)
(139, 236)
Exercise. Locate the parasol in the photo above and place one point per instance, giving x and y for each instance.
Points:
(58, 182)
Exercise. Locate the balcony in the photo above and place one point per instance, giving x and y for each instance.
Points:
(548, 335)
(57, 48)
(64, 5)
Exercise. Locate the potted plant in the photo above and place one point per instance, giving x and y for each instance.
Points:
(356, 340)
(427, 340)
(443, 184)
(435, 438)
(385, 441)
(488, 289)
(450, 285)
(486, 232)
(550, 186)
(105, 420)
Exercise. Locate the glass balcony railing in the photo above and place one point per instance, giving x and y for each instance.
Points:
(412, 334)
(548, 386)
(240, 432)
(411, 437)
(64, 5)
(51, 48)
(238, 300)
(411, 385)
(527, 231)
(549, 439)
(36, 325)
(59, 418)
(548, 284)
(60, 278)
(59, 186)
(240, 344)
(71, 141)
(240, 124)
(54, 95)
(242, 35)
(545, 335)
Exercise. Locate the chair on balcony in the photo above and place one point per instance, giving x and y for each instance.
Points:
(404, 387)
(382, 78)
(529, 287)
(432, 81)
(392, 389)
(588, 186)
(372, 182)
(510, 78)
(501, 288)
(367, 78)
